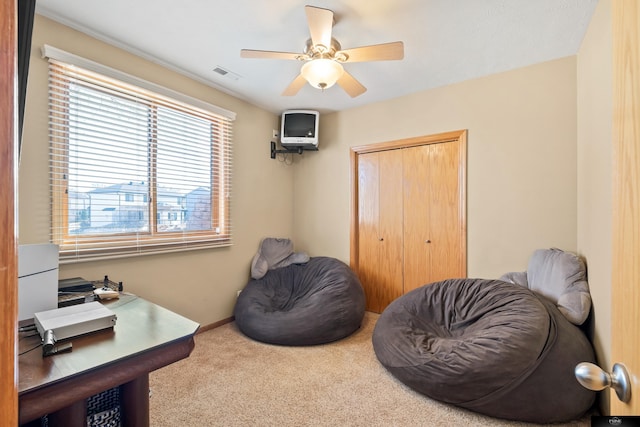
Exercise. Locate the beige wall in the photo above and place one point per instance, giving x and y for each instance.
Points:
(521, 180)
(199, 284)
(595, 119)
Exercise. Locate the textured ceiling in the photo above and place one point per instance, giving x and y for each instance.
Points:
(446, 41)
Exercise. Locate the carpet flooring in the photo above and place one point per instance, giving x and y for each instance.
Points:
(230, 380)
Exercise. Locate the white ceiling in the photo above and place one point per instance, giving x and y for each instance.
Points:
(446, 41)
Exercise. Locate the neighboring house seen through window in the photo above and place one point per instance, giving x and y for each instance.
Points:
(133, 171)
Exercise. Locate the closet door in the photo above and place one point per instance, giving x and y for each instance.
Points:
(446, 215)
(417, 235)
(408, 224)
(432, 214)
(380, 219)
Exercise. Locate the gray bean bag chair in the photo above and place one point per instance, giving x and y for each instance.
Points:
(489, 346)
(302, 304)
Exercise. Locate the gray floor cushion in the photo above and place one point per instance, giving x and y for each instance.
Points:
(302, 304)
(561, 277)
(486, 345)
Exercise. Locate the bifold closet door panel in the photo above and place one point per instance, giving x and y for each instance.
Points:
(391, 235)
(368, 202)
(380, 227)
(417, 234)
(446, 216)
(432, 217)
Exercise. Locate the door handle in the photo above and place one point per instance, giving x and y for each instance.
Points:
(593, 377)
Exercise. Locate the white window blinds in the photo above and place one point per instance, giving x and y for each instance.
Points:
(132, 171)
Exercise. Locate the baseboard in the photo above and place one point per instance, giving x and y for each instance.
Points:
(214, 325)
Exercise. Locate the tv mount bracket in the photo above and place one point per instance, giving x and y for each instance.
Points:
(285, 150)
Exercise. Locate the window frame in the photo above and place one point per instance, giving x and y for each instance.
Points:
(74, 248)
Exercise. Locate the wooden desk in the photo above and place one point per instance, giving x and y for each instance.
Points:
(146, 337)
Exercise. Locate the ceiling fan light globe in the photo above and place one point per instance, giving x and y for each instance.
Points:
(322, 73)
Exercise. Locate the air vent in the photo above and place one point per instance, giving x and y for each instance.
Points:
(226, 73)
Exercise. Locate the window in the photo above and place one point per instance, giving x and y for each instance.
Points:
(133, 171)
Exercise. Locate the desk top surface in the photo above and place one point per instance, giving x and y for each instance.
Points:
(140, 327)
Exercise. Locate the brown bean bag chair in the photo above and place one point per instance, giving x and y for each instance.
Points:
(490, 346)
(302, 304)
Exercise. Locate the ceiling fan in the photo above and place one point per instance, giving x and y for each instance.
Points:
(323, 56)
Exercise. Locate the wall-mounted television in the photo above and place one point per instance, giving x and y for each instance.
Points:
(299, 128)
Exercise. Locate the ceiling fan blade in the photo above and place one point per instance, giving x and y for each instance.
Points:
(267, 54)
(295, 86)
(351, 85)
(376, 52)
(320, 23)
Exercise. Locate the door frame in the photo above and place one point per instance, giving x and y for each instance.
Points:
(8, 243)
(459, 135)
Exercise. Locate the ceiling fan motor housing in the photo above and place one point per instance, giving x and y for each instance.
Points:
(318, 51)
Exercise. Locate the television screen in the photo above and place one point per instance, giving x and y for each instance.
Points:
(300, 125)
